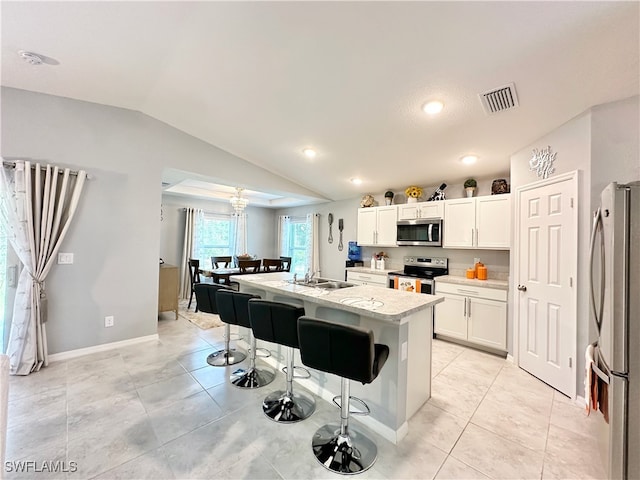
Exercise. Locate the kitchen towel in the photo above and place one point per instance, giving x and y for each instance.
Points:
(588, 377)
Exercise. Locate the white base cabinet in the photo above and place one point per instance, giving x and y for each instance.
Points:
(474, 314)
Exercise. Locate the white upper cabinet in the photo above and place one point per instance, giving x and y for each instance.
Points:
(479, 222)
(410, 211)
(377, 226)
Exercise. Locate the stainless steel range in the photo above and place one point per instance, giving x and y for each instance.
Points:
(418, 274)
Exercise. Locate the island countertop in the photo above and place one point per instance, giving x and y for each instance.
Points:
(372, 301)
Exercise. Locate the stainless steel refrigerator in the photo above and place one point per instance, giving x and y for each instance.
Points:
(615, 305)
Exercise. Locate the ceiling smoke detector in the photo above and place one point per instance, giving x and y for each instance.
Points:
(499, 99)
(30, 57)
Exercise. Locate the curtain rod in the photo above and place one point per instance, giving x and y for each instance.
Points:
(9, 164)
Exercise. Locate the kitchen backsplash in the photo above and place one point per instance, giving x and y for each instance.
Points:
(496, 261)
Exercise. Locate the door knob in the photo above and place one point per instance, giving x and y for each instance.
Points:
(522, 288)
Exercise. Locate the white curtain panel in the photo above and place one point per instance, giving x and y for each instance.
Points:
(284, 223)
(187, 251)
(240, 234)
(36, 213)
(313, 245)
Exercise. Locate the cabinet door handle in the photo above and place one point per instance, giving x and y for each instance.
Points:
(465, 306)
(472, 237)
(469, 309)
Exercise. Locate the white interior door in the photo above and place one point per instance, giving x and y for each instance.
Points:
(547, 268)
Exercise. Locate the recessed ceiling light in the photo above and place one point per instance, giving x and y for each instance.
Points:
(30, 57)
(356, 181)
(469, 159)
(433, 107)
(309, 152)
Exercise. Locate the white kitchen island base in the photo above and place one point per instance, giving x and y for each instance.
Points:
(400, 320)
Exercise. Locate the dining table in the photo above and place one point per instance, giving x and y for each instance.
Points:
(223, 275)
(220, 275)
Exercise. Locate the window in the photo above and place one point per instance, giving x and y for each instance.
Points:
(296, 243)
(213, 236)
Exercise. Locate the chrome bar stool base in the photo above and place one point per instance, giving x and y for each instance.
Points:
(288, 407)
(251, 378)
(224, 358)
(347, 453)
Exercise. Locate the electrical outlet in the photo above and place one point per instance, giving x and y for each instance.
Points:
(109, 321)
(65, 258)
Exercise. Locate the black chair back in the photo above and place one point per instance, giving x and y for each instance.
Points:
(343, 350)
(194, 270)
(249, 266)
(221, 261)
(286, 263)
(272, 265)
(206, 296)
(275, 322)
(233, 307)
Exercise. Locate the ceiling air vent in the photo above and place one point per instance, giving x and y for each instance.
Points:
(499, 99)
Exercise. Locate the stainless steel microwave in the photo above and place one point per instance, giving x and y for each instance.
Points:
(420, 232)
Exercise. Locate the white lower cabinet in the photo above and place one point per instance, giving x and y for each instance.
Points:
(474, 314)
(362, 278)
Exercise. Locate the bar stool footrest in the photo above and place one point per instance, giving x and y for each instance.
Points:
(353, 412)
(297, 367)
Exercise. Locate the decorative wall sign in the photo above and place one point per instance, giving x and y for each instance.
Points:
(542, 162)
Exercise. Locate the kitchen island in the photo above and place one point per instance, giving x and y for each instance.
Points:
(401, 320)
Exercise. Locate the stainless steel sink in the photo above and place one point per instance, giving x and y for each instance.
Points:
(332, 284)
(327, 283)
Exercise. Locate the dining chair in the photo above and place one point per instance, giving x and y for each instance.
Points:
(249, 266)
(225, 262)
(286, 263)
(272, 265)
(194, 278)
(221, 261)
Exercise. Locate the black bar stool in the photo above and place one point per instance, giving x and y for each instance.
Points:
(350, 353)
(277, 322)
(234, 307)
(206, 300)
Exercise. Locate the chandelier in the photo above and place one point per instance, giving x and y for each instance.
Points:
(238, 202)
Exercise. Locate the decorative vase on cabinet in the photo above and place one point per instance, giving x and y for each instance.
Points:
(412, 200)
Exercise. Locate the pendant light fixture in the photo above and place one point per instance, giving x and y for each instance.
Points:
(238, 202)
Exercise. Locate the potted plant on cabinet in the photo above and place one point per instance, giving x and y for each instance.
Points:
(388, 197)
(470, 186)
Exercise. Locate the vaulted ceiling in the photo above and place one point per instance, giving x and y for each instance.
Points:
(264, 80)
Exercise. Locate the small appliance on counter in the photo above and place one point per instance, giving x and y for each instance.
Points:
(354, 251)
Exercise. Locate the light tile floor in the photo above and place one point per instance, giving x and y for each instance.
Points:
(157, 410)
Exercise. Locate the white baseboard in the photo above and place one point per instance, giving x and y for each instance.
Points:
(510, 358)
(56, 357)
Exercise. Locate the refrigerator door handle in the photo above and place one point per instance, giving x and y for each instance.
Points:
(597, 226)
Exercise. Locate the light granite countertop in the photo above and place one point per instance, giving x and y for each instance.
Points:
(497, 284)
(371, 301)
